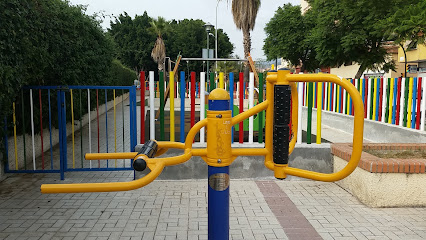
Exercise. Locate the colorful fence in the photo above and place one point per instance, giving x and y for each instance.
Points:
(398, 101)
(193, 86)
(84, 119)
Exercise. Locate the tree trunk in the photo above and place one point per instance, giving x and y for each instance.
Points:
(247, 47)
(405, 59)
(361, 70)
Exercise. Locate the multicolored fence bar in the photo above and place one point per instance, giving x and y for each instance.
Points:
(398, 101)
(65, 130)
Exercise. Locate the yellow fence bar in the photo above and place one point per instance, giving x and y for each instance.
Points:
(221, 80)
(172, 107)
(410, 102)
(319, 110)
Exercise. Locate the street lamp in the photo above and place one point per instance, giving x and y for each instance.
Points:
(208, 27)
(215, 28)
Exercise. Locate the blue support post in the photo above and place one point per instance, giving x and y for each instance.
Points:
(106, 122)
(133, 122)
(182, 106)
(231, 100)
(218, 193)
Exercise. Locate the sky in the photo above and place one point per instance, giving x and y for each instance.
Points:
(195, 9)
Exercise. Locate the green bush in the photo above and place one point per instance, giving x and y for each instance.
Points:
(50, 42)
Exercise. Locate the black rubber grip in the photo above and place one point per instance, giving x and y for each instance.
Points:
(282, 97)
(149, 149)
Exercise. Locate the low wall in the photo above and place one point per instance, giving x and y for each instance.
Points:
(384, 182)
(305, 156)
(373, 131)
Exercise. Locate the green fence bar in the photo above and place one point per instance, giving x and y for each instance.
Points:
(407, 80)
(387, 101)
(212, 85)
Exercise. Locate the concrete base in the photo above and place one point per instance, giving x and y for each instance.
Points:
(310, 157)
(373, 131)
(384, 189)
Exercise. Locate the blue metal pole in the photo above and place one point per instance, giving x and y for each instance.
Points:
(182, 106)
(106, 122)
(218, 193)
(61, 133)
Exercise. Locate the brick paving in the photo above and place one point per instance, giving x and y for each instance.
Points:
(178, 210)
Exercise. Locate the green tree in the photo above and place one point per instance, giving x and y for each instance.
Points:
(406, 27)
(245, 13)
(133, 40)
(345, 32)
(188, 37)
(286, 37)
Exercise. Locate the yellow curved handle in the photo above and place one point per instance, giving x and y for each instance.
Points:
(357, 134)
(156, 169)
(155, 164)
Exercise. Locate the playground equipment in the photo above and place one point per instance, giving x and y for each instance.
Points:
(219, 155)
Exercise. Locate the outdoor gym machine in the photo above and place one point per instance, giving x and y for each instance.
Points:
(219, 155)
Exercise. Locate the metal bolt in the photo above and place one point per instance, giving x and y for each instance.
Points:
(219, 116)
(219, 160)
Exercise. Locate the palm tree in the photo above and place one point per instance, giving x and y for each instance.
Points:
(245, 12)
(159, 51)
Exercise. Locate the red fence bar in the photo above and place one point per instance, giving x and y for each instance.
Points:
(419, 98)
(193, 99)
(41, 130)
(241, 130)
(142, 102)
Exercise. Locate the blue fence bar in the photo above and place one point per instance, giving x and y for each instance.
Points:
(182, 106)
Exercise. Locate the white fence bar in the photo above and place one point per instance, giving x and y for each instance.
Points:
(251, 104)
(344, 100)
(423, 103)
(151, 106)
(202, 101)
(299, 109)
(384, 103)
(90, 128)
(32, 126)
(401, 109)
(369, 92)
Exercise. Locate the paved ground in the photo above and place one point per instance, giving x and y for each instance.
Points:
(271, 209)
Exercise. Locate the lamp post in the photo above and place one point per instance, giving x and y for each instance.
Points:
(208, 27)
(215, 35)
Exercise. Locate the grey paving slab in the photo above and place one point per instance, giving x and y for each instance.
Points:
(161, 210)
